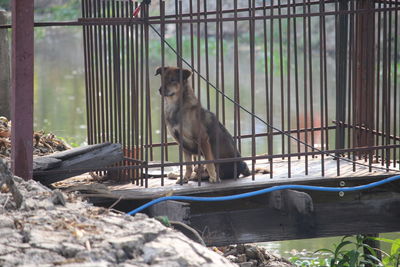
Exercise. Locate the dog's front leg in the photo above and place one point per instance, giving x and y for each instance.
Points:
(207, 152)
(189, 168)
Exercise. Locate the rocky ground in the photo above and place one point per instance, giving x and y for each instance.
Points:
(51, 228)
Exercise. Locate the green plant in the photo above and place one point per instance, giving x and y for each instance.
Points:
(351, 253)
(391, 259)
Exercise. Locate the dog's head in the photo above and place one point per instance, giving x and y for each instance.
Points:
(172, 78)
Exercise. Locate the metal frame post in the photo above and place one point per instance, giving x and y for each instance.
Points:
(22, 88)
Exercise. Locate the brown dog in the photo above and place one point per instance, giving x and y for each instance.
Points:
(196, 128)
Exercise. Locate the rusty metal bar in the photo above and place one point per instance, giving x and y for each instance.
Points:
(395, 65)
(321, 82)
(267, 92)
(116, 21)
(289, 95)
(296, 75)
(271, 97)
(162, 124)
(252, 84)
(305, 95)
(22, 88)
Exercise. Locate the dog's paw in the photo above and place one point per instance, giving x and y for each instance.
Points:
(184, 181)
(214, 180)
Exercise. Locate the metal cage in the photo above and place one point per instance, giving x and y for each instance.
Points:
(288, 72)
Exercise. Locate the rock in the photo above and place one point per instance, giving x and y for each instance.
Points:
(45, 233)
(242, 258)
(69, 250)
(252, 255)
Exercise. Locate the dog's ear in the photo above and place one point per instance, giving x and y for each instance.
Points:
(185, 73)
(159, 70)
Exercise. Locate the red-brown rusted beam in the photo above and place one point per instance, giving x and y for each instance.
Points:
(363, 93)
(22, 88)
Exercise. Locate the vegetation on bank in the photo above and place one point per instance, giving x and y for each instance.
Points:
(354, 252)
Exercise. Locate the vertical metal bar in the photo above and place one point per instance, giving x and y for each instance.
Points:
(221, 33)
(22, 88)
(132, 96)
(271, 97)
(325, 85)
(162, 124)
(350, 79)
(321, 80)
(252, 84)
(206, 54)
(111, 89)
(104, 32)
(118, 80)
(385, 94)
(198, 80)
(305, 95)
(395, 89)
(148, 102)
(341, 77)
(288, 92)
(101, 93)
(86, 63)
(138, 102)
(296, 77)
(310, 65)
(325, 82)
(128, 110)
(389, 106)
(96, 89)
(267, 99)
(378, 83)
(191, 40)
(236, 129)
(91, 110)
(282, 107)
(180, 56)
(143, 127)
(123, 43)
(217, 72)
(147, 93)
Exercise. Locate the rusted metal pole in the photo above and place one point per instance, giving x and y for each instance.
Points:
(341, 71)
(363, 94)
(5, 69)
(22, 88)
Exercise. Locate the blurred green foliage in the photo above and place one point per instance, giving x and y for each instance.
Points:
(66, 10)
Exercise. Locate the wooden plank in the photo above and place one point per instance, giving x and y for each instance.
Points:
(380, 214)
(76, 161)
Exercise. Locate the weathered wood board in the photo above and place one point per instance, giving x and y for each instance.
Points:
(71, 162)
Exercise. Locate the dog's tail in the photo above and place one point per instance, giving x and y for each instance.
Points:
(244, 169)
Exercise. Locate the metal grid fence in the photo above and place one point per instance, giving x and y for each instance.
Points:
(324, 73)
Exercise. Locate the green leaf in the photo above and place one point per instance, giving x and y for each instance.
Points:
(341, 245)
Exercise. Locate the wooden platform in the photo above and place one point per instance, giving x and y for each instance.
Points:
(280, 176)
(280, 215)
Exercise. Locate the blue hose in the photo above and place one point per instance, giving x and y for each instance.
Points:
(266, 190)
